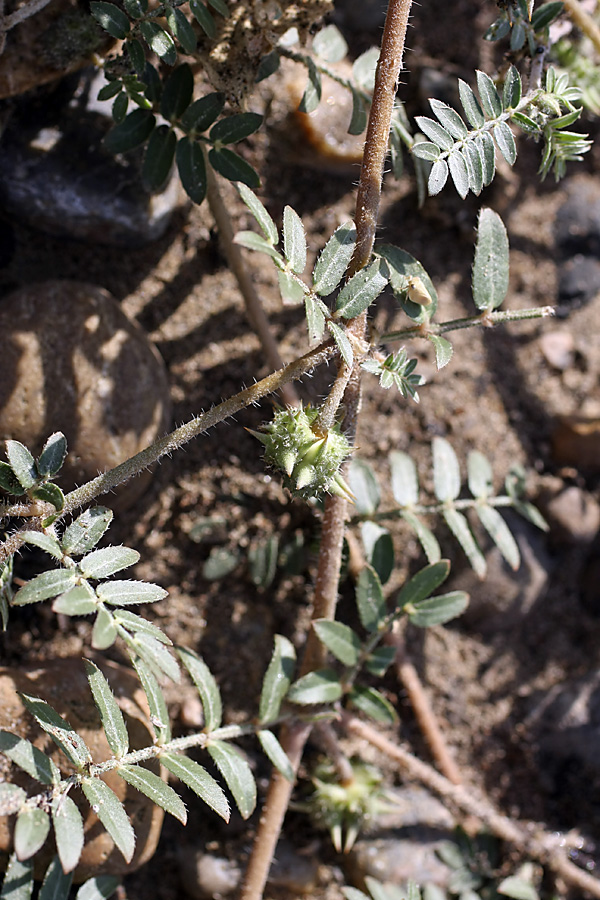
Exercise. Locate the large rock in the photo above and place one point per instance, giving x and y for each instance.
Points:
(62, 683)
(73, 362)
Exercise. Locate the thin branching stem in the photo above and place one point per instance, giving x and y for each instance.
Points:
(532, 841)
(84, 495)
(486, 319)
(330, 553)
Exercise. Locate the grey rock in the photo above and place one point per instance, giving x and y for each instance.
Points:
(73, 362)
(204, 875)
(579, 282)
(399, 857)
(577, 226)
(57, 177)
(574, 516)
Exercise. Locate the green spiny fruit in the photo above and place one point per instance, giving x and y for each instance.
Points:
(310, 463)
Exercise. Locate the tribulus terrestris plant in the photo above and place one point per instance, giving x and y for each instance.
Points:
(330, 690)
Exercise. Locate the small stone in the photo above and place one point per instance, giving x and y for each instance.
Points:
(57, 176)
(204, 876)
(399, 857)
(73, 362)
(558, 348)
(573, 515)
(577, 225)
(579, 282)
(325, 129)
(63, 684)
(576, 442)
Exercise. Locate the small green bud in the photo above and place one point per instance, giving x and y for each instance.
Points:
(311, 462)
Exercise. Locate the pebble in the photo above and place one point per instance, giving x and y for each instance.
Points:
(558, 348)
(576, 442)
(63, 684)
(578, 283)
(573, 516)
(57, 177)
(577, 224)
(205, 876)
(325, 130)
(403, 848)
(73, 362)
(400, 857)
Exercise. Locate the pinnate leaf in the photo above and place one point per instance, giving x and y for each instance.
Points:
(127, 593)
(68, 831)
(110, 713)
(111, 18)
(446, 470)
(111, 812)
(31, 830)
(438, 610)
(334, 259)
(198, 780)
(25, 755)
(491, 263)
(237, 774)
(46, 585)
(339, 639)
(105, 562)
(207, 688)
(53, 455)
(192, 169)
(321, 686)
(157, 790)
(369, 599)
(277, 680)
(84, 533)
(22, 463)
(421, 585)
(102, 887)
(275, 753)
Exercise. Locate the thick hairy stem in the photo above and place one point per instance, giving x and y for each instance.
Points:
(293, 740)
(531, 841)
(330, 554)
(254, 307)
(83, 495)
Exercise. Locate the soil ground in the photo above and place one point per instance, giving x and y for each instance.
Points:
(498, 395)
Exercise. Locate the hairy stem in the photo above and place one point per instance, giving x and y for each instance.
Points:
(254, 307)
(535, 843)
(83, 495)
(330, 553)
(487, 319)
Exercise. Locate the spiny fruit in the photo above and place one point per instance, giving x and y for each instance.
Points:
(310, 463)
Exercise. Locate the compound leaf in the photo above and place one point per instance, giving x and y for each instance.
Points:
(237, 774)
(157, 790)
(198, 780)
(111, 812)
